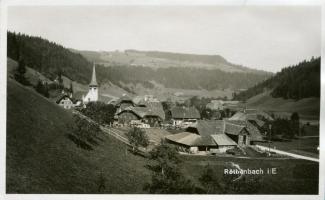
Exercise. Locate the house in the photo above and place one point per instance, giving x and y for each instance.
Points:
(123, 103)
(65, 101)
(184, 115)
(151, 114)
(255, 135)
(92, 95)
(258, 118)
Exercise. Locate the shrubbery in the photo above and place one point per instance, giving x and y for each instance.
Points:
(100, 112)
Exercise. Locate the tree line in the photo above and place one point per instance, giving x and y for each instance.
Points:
(293, 82)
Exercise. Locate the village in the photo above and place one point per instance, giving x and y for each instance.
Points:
(230, 129)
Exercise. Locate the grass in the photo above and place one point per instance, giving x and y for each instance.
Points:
(41, 158)
(293, 176)
(307, 108)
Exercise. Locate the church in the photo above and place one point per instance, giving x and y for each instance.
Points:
(92, 95)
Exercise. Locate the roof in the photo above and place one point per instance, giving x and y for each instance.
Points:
(185, 138)
(209, 127)
(185, 112)
(61, 96)
(233, 129)
(223, 140)
(93, 81)
(191, 139)
(145, 111)
(124, 98)
(238, 116)
(155, 108)
(251, 115)
(254, 132)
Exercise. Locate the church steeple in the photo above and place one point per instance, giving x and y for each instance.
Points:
(93, 82)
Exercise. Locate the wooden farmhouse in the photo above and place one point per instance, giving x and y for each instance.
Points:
(65, 101)
(180, 115)
(151, 113)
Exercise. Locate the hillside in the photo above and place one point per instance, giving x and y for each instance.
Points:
(293, 82)
(41, 158)
(158, 59)
(308, 108)
(51, 59)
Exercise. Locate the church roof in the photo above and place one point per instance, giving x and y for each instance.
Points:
(93, 81)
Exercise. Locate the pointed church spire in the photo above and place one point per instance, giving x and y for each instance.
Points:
(93, 81)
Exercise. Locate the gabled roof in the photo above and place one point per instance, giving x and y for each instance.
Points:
(251, 115)
(233, 129)
(223, 140)
(209, 127)
(255, 134)
(155, 108)
(124, 98)
(62, 96)
(144, 111)
(191, 139)
(185, 113)
(185, 138)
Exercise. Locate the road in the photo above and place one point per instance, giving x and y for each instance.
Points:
(286, 153)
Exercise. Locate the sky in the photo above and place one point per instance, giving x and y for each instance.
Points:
(261, 37)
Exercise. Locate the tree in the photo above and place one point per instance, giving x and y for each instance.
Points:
(20, 72)
(166, 156)
(42, 88)
(71, 88)
(60, 79)
(137, 137)
(167, 177)
(100, 112)
(210, 181)
(84, 130)
(295, 123)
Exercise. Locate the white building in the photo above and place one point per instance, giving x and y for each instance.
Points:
(92, 95)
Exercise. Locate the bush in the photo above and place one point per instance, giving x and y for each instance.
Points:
(137, 137)
(100, 112)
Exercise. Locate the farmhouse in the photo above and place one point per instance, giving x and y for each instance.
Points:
(151, 114)
(123, 103)
(181, 115)
(258, 118)
(255, 134)
(65, 101)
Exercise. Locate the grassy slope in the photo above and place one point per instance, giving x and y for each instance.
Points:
(293, 176)
(41, 159)
(307, 108)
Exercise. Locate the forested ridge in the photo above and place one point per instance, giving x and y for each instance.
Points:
(52, 59)
(293, 82)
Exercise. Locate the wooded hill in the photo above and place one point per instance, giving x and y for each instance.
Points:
(50, 59)
(293, 82)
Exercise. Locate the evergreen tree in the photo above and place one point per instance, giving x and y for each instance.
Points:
(20, 72)
(71, 88)
(295, 123)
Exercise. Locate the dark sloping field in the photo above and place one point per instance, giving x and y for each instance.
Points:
(41, 158)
